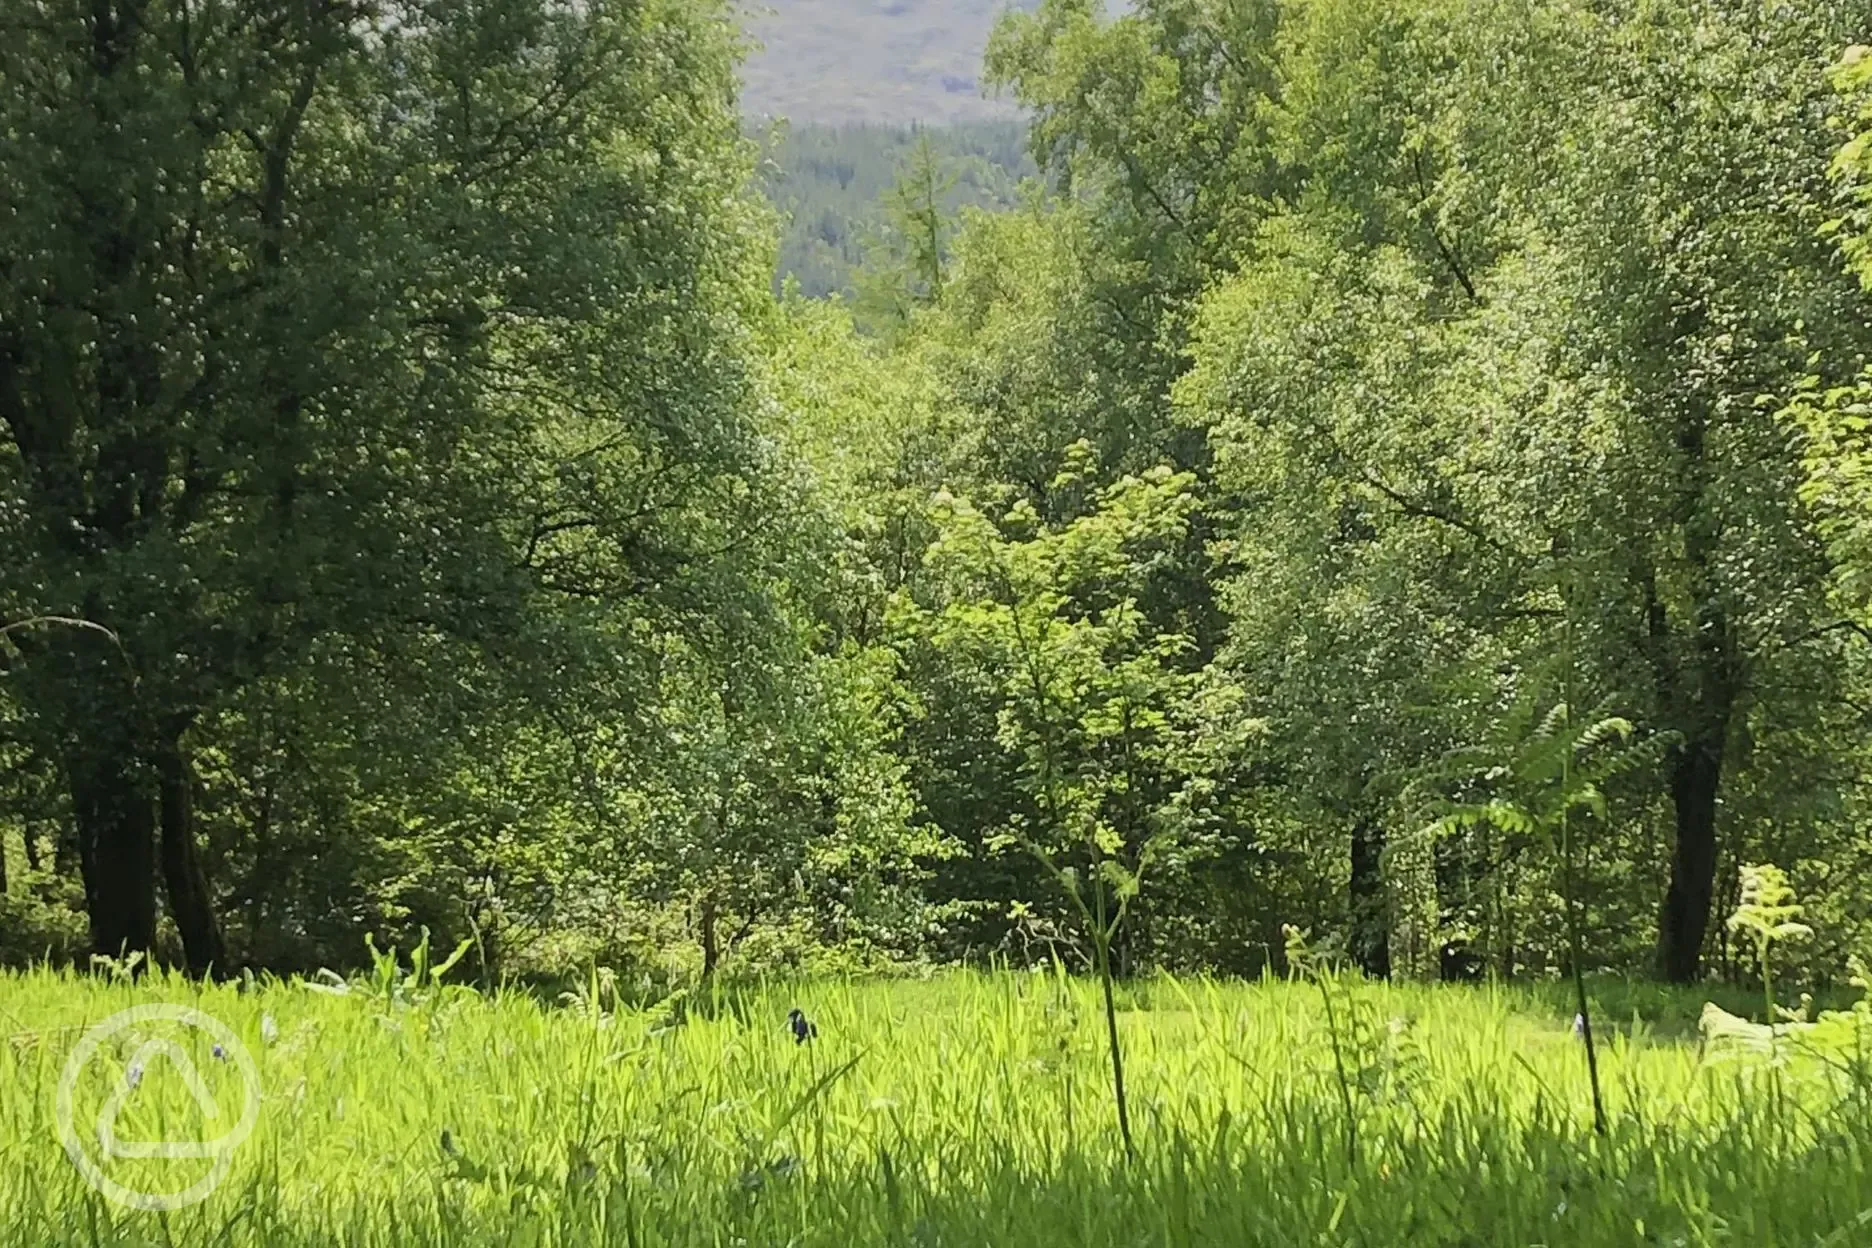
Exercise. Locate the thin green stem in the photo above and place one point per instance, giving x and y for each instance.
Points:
(1570, 880)
(1117, 1049)
(1767, 980)
(1339, 1068)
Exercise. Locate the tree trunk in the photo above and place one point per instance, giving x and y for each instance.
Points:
(1455, 874)
(1699, 692)
(1695, 776)
(190, 903)
(1700, 675)
(1371, 920)
(116, 847)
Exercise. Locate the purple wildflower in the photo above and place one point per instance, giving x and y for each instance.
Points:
(220, 1054)
(134, 1075)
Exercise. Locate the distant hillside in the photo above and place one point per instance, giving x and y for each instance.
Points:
(828, 180)
(878, 61)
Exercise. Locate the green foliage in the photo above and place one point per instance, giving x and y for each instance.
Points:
(1837, 418)
(830, 185)
(1852, 78)
(1767, 914)
(382, 393)
(1432, 372)
(1347, 266)
(1097, 707)
(1109, 720)
(1541, 769)
(908, 264)
(419, 510)
(1306, 961)
(41, 920)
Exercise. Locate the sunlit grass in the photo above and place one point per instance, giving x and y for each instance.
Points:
(965, 1109)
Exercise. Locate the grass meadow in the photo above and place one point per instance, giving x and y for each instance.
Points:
(963, 1109)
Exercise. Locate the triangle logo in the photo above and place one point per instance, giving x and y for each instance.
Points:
(111, 1146)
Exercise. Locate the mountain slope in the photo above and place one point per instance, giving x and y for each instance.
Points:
(827, 182)
(876, 61)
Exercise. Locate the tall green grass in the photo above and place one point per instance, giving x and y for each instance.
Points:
(963, 1110)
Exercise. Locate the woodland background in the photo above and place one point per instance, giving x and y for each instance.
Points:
(1316, 444)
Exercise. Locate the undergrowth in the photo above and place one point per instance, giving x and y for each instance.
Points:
(965, 1109)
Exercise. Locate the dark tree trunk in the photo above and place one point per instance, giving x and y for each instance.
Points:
(34, 862)
(1459, 964)
(1371, 917)
(190, 903)
(116, 824)
(1695, 776)
(1457, 960)
(1701, 691)
(1701, 675)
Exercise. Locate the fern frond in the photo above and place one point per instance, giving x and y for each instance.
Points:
(1552, 724)
(1608, 729)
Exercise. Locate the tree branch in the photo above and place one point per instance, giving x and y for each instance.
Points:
(1449, 256)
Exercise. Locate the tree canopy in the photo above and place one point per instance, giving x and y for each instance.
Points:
(418, 508)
